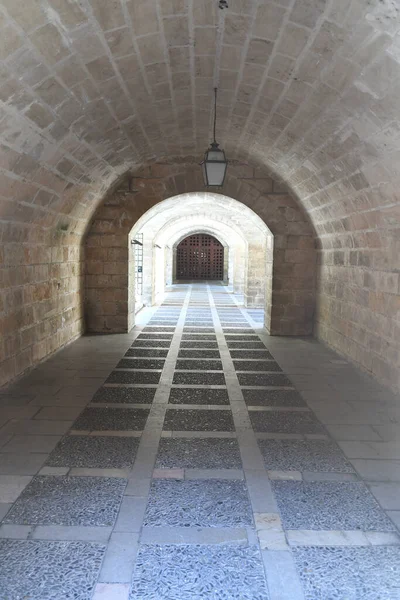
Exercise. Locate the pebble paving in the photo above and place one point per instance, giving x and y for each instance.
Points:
(327, 505)
(202, 503)
(192, 453)
(259, 354)
(140, 363)
(198, 420)
(349, 573)
(256, 345)
(123, 395)
(199, 354)
(304, 455)
(222, 572)
(199, 344)
(273, 421)
(134, 377)
(199, 365)
(104, 419)
(194, 378)
(272, 397)
(150, 343)
(41, 570)
(221, 409)
(261, 379)
(256, 365)
(48, 500)
(101, 452)
(142, 352)
(198, 396)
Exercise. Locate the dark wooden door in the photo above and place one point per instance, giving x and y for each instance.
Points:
(200, 256)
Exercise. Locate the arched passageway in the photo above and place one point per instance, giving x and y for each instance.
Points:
(279, 258)
(247, 240)
(188, 453)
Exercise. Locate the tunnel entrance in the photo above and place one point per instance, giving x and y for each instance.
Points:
(200, 257)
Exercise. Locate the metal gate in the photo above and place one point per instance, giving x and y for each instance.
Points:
(200, 256)
(138, 246)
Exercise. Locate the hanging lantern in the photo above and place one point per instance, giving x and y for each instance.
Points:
(214, 164)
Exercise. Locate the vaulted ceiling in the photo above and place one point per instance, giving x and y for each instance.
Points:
(90, 88)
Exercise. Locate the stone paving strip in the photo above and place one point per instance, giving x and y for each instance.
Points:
(106, 432)
(195, 474)
(198, 434)
(259, 489)
(121, 553)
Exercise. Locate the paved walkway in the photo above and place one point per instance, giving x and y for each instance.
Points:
(197, 458)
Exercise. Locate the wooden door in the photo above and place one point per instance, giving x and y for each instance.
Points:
(200, 256)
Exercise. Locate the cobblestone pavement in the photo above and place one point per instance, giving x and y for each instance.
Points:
(198, 458)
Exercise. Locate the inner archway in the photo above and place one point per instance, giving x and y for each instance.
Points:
(273, 262)
(199, 257)
(245, 238)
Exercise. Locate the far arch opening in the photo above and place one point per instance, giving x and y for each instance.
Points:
(246, 240)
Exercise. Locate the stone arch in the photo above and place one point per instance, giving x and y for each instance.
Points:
(191, 222)
(154, 237)
(107, 301)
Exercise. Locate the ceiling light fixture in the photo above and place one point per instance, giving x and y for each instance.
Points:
(214, 163)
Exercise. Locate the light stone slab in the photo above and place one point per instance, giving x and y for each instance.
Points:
(83, 472)
(138, 487)
(326, 538)
(4, 508)
(382, 538)
(59, 413)
(15, 532)
(111, 591)
(120, 558)
(290, 409)
(31, 444)
(267, 522)
(353, 432)
(260, 492)
(193, 535)
(72, 533)
(214, 474)
(279, 436)
(11, 486)
(285, 475)
(201, 434)
(118, 405)
(387, 494)
(272, 540)
(131, 513)
(395, 516)
(328, 476)
(54, 471)
(282, 576)
(377, 470)
(168, 474)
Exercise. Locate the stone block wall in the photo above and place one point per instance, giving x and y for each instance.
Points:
(41, 301)
(108, 282)
(358, 305)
